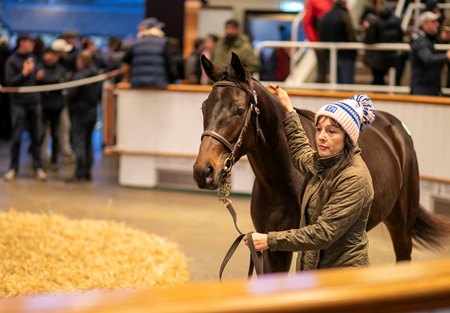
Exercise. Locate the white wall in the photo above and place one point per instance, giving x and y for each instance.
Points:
(161, 122)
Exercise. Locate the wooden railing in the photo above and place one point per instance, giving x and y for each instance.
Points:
(396, 288)
(432, 100)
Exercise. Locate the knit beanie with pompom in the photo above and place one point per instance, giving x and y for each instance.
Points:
(352, 114)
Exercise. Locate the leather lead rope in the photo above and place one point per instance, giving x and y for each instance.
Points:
(256, 260)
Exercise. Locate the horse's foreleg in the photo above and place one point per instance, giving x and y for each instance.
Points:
(279, 261)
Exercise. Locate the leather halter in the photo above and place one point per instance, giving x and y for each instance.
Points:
(230, 160)
(256, 261)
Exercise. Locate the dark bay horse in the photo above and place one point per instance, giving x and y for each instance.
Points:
(387, 149)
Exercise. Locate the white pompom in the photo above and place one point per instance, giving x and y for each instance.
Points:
(368, 109)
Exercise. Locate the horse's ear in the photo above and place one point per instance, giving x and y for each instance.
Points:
(238, 68)
(208, 67)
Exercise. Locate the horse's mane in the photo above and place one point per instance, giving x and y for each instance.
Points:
(306, 114)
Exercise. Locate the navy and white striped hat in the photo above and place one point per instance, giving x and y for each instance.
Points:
(352, 114)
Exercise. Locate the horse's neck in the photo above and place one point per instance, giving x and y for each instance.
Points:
(270, 157)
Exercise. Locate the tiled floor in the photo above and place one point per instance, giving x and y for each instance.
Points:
(197, 221)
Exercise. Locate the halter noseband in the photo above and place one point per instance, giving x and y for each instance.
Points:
(229, 162)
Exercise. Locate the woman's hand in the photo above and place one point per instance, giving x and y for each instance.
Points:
(259, 241)
(283, 97)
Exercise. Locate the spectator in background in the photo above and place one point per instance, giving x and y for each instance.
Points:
(112, 55)
(337, 26)
(444, 38)
(151, 59)
(88, 44)
(66, 53)
(232, 41)
(176, 64)
(432, 6)
(52, 102)
(426, 62)
(381, 26)
(275, 62)
(281, 56)
(192, 68)
(5, 113)
(25, 107)
(39, 47)
(68, 59)
(314, 10)
(208, 50)
(83, 102)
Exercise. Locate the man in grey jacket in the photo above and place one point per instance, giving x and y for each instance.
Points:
(426, 62)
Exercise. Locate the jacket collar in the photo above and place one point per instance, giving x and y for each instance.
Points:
(326, 163)
(151, 32)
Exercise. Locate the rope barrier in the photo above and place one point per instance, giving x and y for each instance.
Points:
(59, 86)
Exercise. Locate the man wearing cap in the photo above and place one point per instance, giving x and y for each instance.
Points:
(25, 107)
(150, 60)
(52, 102)
(426, 63)
(67, 53)
(70, 49)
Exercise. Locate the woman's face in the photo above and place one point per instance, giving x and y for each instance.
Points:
(330, 137)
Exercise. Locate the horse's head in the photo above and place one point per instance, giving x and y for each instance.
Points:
(228, 125)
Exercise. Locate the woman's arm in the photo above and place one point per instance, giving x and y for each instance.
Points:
(300, 148)
(342, 210)
(352, 196)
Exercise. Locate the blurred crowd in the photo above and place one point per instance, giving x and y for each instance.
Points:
(331, 21)
(67, 117)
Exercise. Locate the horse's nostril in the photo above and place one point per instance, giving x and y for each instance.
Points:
(209, 171)
(204, 175)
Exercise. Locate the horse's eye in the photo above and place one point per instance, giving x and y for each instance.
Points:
(240, 111)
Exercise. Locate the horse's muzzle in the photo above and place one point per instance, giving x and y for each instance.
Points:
(204, 176)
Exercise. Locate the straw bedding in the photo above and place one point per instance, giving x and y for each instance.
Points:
(42, 253)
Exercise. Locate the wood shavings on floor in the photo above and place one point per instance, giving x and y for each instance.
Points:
(48, 253)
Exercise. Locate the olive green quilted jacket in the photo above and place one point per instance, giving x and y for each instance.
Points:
(332, 231)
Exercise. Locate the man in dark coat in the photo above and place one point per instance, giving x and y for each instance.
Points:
(25, 107)
(5, 112)
(151, 59)
(381, 27)
(52, 101)
(336, 26)
(83, 102)
(426, 62)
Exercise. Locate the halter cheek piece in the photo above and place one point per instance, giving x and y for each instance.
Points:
(253, 107)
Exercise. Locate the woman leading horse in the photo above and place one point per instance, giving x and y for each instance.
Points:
(241, 117)
(335, 203)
